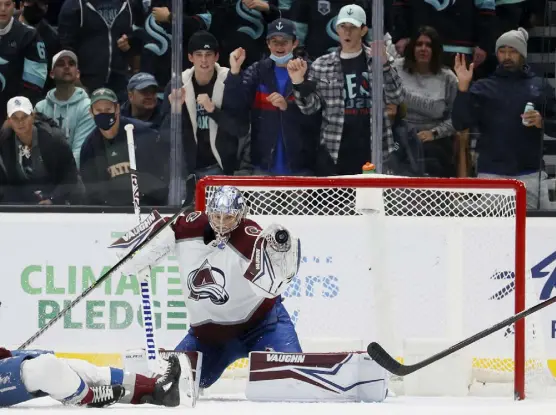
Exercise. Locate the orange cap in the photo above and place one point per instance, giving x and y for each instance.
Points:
(368, 166)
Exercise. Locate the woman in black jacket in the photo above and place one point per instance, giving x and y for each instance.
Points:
(42, 173)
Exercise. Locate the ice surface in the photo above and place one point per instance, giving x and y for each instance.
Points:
(392, 406)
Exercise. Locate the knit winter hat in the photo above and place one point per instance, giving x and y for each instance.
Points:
(202, 40)
(516, 39)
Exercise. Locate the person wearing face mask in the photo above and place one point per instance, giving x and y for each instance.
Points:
(283, 140)
(34, 14)
(104, 162)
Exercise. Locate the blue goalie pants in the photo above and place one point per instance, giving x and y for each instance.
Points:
(276, 331)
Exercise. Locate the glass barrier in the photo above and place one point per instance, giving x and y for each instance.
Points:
(442, 119)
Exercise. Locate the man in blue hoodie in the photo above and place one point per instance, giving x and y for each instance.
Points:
(67, 104)
(510, 142)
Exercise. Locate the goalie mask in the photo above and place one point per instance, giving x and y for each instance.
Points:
(225, 211)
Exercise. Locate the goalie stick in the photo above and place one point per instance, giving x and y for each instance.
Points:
(381, 356)
(151, 350)
(186, 207)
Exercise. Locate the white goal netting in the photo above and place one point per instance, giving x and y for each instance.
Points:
(393, 259)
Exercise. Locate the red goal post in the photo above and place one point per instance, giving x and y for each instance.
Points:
(417, 197)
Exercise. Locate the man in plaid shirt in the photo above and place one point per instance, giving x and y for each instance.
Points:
(339, 84)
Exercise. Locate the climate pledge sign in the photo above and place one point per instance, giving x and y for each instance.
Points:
(46, 273)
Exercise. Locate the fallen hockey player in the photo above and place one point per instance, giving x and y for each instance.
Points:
(233, 274)
(31, 374)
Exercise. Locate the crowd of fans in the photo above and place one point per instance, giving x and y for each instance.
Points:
(268, 88)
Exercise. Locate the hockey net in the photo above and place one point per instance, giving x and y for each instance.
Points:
(390, 259)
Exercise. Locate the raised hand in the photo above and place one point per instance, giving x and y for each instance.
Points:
(401, 45)
(161, 14)
(237, 57)
(465, 75)
(296, 70)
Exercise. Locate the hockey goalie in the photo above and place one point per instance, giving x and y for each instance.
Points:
(233, 274)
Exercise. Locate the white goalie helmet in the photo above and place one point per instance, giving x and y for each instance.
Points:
(226, 209)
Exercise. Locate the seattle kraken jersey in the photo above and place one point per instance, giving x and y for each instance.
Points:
(235, 25)
(22, 64)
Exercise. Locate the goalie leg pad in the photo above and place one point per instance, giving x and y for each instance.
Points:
(215, 358)
(315, 377)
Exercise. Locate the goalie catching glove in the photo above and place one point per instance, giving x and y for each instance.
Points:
(274, 261)
(143, 260)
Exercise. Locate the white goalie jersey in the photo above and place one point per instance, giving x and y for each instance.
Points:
(228, 289)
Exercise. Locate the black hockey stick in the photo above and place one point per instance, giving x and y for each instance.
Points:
(381, 356)
(187, 206)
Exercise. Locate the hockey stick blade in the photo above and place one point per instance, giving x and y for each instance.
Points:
(103, 278)
(381, 356)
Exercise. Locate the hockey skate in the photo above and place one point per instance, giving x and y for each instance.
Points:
(105, 395)
(167, 388)
(188, 394)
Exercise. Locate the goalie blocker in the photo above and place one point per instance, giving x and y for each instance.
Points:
(297, 377)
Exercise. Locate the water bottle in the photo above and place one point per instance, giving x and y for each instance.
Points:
(528, 107)
(369, 168)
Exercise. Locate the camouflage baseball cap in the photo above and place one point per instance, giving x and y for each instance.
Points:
(103, 94)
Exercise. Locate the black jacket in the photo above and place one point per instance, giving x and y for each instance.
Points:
(300, 132)
(51, 40)
(234, 25)
(460, 24)
(62, 184)
(152, 154)
(494, 105)
(23, 65)
(156, 51)
(83, 29)
(156, 117)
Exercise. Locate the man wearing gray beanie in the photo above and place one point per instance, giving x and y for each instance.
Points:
(511, 49)
(510, 138)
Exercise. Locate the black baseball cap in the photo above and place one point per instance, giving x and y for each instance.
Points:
(202, 40)
(281, 27)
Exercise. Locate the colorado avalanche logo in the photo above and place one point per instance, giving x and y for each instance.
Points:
(192, 217)
(207, 282)
(252, 231)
